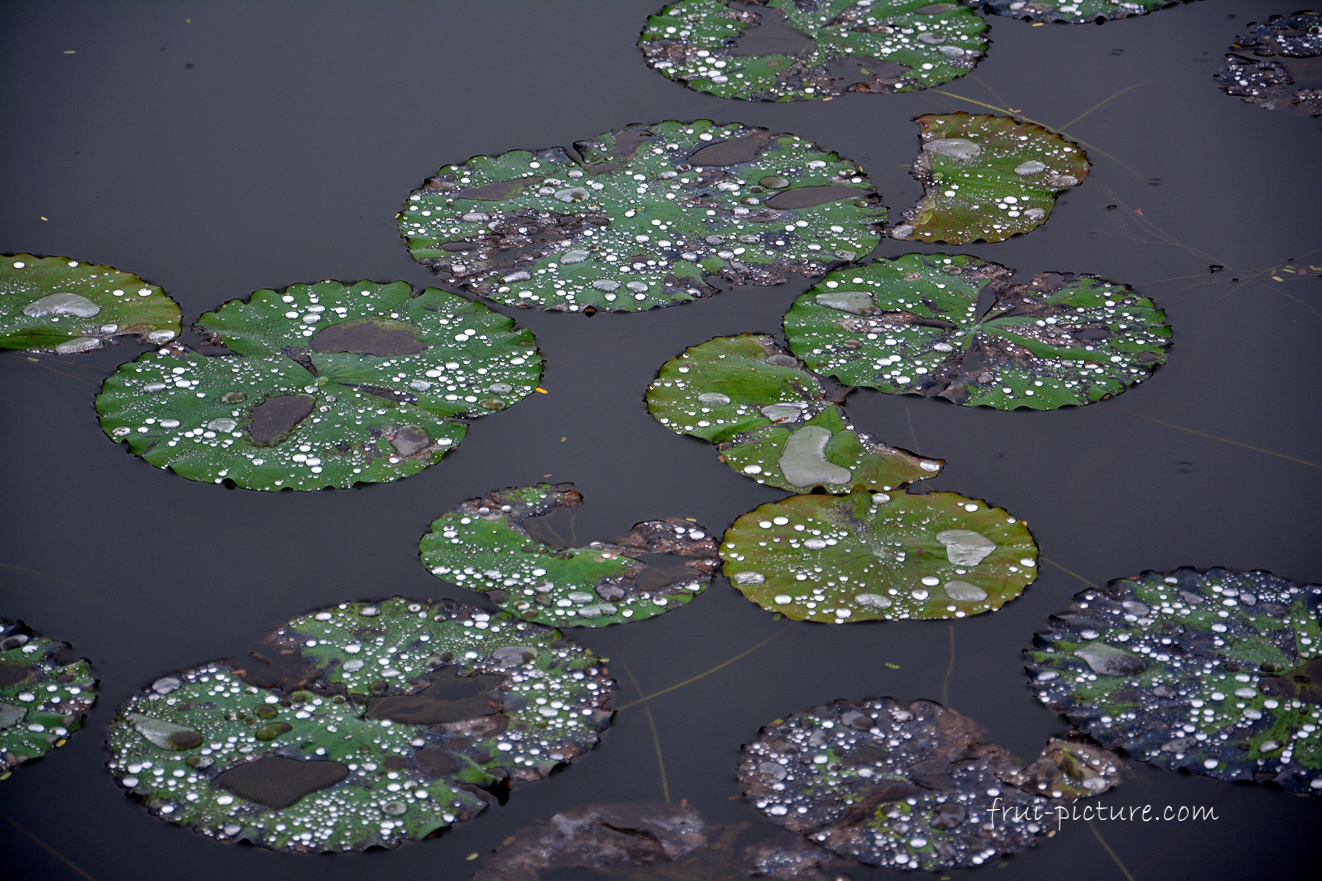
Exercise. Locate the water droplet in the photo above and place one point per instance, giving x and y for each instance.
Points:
(1032, 166)
(873, 600)
(1110, 661)
(714, 399)
(804, 462)
(748, 578)
(856, 302)
(959, 149)
(222, 425)
(575, 256)
(81, 344)
(964, 547)
(62, 303)
(963, 592)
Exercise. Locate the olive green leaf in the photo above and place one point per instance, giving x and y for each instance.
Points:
(869, 556)
(782, 50)
(642, 217)
(321, 385)
(912, 786)
(987, 178)
(62, 306)
(772, 420)
(360, 725)
(1214, 672)
(504, 546)
(43, 696)
(955, 327)
(1069, 11)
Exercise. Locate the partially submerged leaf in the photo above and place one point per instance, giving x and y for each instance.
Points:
(773, 420)
(1069, 11)
(63, 306)
(652, 842)
(987, 178)
(869, 556)
(911, 787)
(43, 696)
(955, 327)
(321, 385)
(1216, 672)
(781, 50)
(364, 724)
(1271, 77)
(487, 544)
(641, 217)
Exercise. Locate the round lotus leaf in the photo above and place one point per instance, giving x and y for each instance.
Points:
(955, 327)
(62, 306)
(1267, 74)
(321, 385)
(360, 725)
(1069, 11)
(987, 178)
(773, 420)
(506, 546)
(43, 694)
(642, 217)
(782, 50)
(870, 556)
(911, 787)
(1218, 673)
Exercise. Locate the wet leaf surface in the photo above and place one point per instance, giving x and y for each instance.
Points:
(773, 420)
(379, 723)
(1265, 66)
(956, 327)
(987, 178)
(642, 217)
(867, 556)
(652, 842)
(44, 695)
(62, 306)
(321, 385)
(1069, 11)
(911, 787)
(1216, 672)
(782, 50)
(488, 544)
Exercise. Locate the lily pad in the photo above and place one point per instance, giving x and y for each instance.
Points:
(955, 327)
(911, 786)
(987, 178)
(321, 385)
(1270, 77)
(872, 556)
(63, 306)
(498, 545)
(641, 217)
(43, 696)
(782, 50)
(360, 725)
(653, 842)
(1214, 672)
(1069, 11)
(773, 420)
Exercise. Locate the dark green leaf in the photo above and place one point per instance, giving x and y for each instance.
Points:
(782, 50)
(43, 696)
(1216, 672)
(488, 544)
(58, 305)
(1069, 11)
(364, 724)
(642, 217)
(955, 327)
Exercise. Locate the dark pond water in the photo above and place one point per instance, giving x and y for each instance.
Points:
(220, 148)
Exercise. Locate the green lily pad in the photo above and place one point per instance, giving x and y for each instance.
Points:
(1214, 672)
(866, 557)
(955, 327)
(641, 217)
(1270, 77)
(773, 420)
(499, 545)
(912, 786)
(1069, 11)
(62, 306)
(321, 385)
(782, 50)
(987, 178)
(43, 696)
(360, 725)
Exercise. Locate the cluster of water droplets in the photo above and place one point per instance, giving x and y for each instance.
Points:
(42, 699)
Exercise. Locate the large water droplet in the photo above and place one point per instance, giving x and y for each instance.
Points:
(62, 303)
(1111, 661)
(1032, 166)
(964, 547)
(804, 460)
(714, 399)
(857, 302)
(963, 592)
(959, 149)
